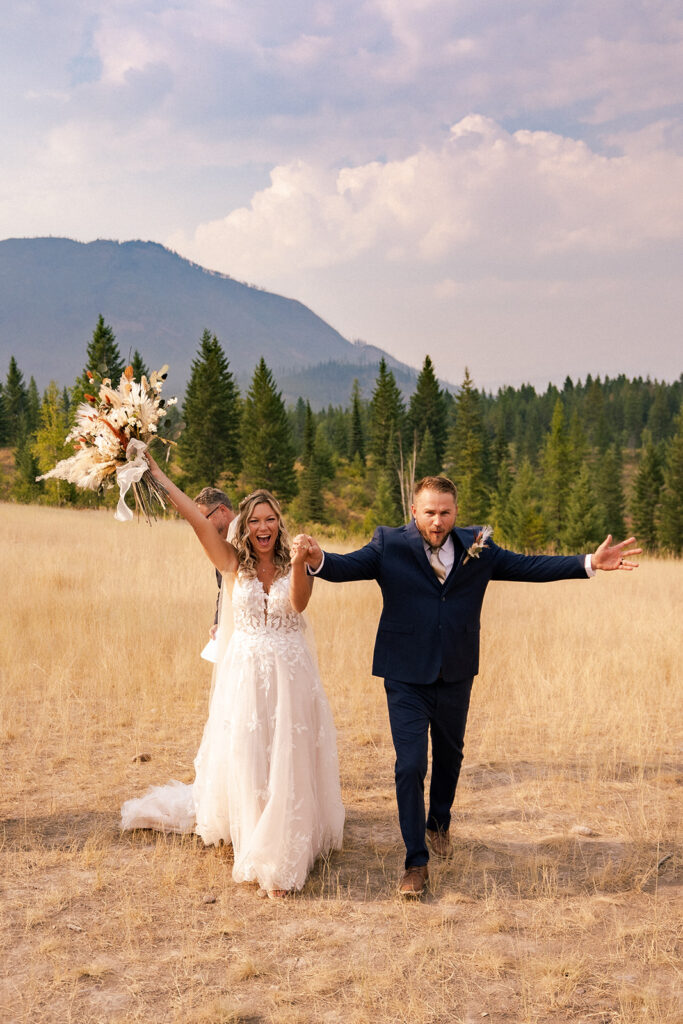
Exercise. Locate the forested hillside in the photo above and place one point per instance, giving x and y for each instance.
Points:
(53, 289)
(554, 471)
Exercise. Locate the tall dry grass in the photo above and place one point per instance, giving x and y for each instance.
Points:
(560, 901)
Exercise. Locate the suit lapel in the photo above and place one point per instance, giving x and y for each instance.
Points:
(461, 541)
(417, 546)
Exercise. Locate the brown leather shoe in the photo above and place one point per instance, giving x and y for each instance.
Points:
(440, 843)
(414, 880)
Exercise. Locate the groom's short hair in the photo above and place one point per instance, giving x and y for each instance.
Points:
(440, 484)
(211, 496)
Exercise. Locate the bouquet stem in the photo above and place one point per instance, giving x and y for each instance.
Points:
(146, 492)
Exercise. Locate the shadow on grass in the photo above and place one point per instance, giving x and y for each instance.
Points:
(63, 830)
(493, 774)
(369, 865)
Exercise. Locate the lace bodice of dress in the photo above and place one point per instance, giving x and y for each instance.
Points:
(255, 611)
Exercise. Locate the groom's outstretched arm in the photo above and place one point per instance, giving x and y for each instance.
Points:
(509, 565)
(363, 564)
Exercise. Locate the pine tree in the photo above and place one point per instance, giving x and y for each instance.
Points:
(500, 517)
(387, 416)
(48, 446)
(427, 411)
(297, 421)
(428, 460)
(499, 454)
(209, 445)
(384, 510)
(67, 402)
(578, 449)
(659, 416)
(309, 505)
(556, 465)
(647, 493)
(25, 487)
(357, 438)
(15, 401)
(337, 432)
(583, 526)
(609, 490)
(466, 454)
(525, 520)
(140, 368)
(634, 412)
(32, 407)
(594, 416)
(267, 446)
(103, 359)
(4, 433)
(670, 522)
(529, 434)
(323, 455)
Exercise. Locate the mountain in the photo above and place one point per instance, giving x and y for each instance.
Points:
(331, 383)
(52, 291)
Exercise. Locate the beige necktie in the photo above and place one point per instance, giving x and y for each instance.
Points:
(437, 565)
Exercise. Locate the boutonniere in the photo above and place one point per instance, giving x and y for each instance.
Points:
(474, 550)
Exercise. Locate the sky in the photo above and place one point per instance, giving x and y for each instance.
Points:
(496, 184)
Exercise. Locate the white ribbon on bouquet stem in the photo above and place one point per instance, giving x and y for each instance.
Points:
(130, 473)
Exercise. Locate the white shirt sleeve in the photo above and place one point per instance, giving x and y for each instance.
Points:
(588, 566)
(314, 572)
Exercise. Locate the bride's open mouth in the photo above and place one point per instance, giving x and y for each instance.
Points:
(263, 539)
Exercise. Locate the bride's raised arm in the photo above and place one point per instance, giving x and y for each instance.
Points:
(300, 584)
(222, 554)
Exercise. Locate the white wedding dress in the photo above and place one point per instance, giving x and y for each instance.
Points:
(266, 774)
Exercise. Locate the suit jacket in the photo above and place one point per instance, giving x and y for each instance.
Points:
(428, 629)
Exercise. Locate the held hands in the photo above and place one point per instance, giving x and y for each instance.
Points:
(299, 549)
(306, 550)
(614, 556)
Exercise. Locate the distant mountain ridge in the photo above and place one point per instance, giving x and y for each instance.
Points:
(53, 289)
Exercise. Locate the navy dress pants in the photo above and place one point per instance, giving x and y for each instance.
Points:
(415, 710)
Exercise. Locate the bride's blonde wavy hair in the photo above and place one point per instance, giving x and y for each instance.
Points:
(246, 555)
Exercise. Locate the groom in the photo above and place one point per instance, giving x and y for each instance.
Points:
(433, 576)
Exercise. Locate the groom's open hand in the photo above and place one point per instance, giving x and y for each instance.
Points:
(615, 556)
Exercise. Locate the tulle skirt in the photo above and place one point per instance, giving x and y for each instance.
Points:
(266, 774)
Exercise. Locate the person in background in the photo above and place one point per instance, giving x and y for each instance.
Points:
(216, 506)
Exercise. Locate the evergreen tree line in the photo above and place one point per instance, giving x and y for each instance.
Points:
(550, 471)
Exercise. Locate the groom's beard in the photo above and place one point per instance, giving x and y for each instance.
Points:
(437, 543)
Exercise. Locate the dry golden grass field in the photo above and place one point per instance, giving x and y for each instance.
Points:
(561, 902)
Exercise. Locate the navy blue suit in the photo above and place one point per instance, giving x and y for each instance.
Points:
(427, 650)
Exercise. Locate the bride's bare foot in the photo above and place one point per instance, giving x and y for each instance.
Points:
(273, 894)
(278, 894)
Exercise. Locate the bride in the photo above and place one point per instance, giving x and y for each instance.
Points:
(266, 774)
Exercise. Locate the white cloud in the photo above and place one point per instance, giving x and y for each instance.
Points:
(164, 120)
(484, 196)
(528, 242)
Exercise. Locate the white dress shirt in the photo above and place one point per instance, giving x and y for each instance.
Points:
(446, 553)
